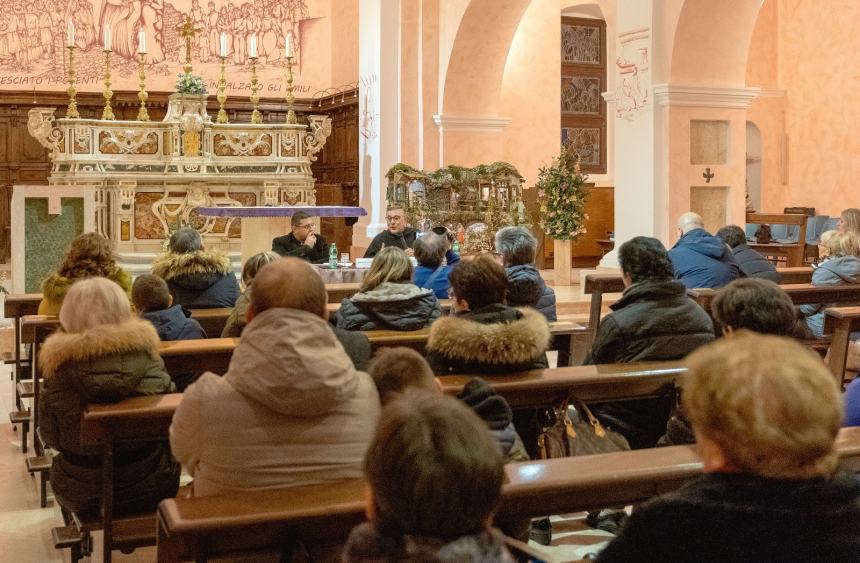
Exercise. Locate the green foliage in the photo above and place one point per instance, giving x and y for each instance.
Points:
(562, 193)
(190, 84)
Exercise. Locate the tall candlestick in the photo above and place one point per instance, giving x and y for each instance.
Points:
(252, 50)
(107, 112)
(222, 84)
(142, 114)
(70, 35)
(106, 38)
(288, 46)
(72, 108)
(256, 116)
(291, 113)
(141, 42)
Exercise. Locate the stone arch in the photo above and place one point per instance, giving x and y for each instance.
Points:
(476, 67)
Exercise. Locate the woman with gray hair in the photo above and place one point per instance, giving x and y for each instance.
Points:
(526, 288)
(102, 354)
(197, 278)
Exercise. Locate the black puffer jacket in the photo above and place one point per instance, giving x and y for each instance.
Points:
(742, 517)
(652, 321)
(526, 288)
(391, 306)
(495, 411)
(753, 264)
(198, 280)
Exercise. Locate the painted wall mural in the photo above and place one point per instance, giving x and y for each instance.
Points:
(33, 38)
(633, 73)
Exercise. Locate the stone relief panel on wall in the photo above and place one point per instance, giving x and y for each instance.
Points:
(580, 44)
(582, 141)
(580, 95)
(33, 40)
(633, 73)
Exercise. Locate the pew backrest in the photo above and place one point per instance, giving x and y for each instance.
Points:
(840, 322)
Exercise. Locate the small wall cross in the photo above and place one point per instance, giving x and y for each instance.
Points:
(707, 175)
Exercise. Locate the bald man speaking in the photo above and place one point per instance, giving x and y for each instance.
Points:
(699, 258)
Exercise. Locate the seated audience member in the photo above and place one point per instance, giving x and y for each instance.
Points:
(751, 263)
(849, 221)
(700, 259)
(197, 278)
(526, 287)
(653, 321)
(766, 412)
(102, 355)
(302, 242)
(852, 403)
(842, 267)
(432, 270)
(237, 319)
(388, 299)
(485, 335)
(397, 235)
(152, 299)
(395, 370)
(746, 304)
(291, 410)
(90, 255)
(435, 476)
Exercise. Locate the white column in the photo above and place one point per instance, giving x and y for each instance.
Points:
(640, 201)
(379, 109)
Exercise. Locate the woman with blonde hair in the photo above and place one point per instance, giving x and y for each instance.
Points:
(236, 321)
(388, 299)
(89, 255)
(765, 411)
(841, 267)
(849, 221)
(102, 354)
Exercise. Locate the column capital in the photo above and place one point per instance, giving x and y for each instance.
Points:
(482, 124)
(674, 95)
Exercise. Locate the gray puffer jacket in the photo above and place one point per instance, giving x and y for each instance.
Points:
(391, 306)
(838, 270)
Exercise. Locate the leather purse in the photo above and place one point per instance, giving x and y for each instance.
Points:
(563, 437)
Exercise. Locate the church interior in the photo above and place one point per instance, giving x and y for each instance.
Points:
(630, 170)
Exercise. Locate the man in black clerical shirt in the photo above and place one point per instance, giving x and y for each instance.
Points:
(397, 234)
(302, 242)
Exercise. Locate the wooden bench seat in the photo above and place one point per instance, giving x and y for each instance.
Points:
(800, 294)
(839, 323)
(191, 528)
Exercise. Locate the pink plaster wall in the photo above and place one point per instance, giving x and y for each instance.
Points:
(344, 42)
(763, 60)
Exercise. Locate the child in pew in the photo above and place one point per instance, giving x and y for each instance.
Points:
(237, 319)
(434, 479)
(102, 355)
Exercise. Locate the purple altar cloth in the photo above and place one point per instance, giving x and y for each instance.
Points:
(282, 211)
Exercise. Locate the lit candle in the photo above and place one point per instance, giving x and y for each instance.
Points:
(106, 38)
(288, 46)
(252, 51)
(70, 35)
(223, 44)
(141, 42)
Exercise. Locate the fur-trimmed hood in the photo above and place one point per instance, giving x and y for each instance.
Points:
(169, 266)
(55, 287)
(136, 335)
(492, 335)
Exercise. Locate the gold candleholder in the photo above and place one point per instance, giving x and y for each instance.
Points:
(256, 116)
(107, 112)
(142, 114)
(291, 113)
(222, 94)
(72, 108)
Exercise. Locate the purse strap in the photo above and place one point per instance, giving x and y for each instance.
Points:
(599, 431)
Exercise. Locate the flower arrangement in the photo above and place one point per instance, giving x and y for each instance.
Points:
(562, 193)
(190, 84)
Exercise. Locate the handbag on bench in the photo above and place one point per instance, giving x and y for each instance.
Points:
(563, 437)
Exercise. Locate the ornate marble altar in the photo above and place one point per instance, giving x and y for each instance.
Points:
(149, 177)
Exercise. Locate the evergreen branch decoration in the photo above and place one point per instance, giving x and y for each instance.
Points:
(562, 193)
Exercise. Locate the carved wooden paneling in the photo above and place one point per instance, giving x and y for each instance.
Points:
(23, 160)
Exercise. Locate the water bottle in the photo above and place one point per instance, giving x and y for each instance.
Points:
(456, 247)
(332, 256)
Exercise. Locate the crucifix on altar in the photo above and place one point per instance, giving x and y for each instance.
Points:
(188, 32)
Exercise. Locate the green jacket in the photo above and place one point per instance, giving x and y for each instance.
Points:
(103, 365)
(55, 287)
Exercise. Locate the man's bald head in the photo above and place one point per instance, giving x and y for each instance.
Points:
(689, 221)
(288, 283)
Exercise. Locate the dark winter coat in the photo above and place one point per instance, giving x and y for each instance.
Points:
(238, 316)
(703, 260)
(753, 264)
(653, 321)
(852, 403)
(367, 544)
(838, 270)
(724, 517)
(495, 411)
(390, 306)
(404, 239)
(175, 323)
(55, 287)
(491, 340)
(288, 245)
(526, 288)
(198, 280)
(103, 365)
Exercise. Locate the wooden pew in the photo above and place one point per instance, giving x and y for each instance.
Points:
(193, 529)
(597, 285)
(793, 275)
(794, 251)
(148, 418)
(840, 322)
(15, 307)
(801, 294)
